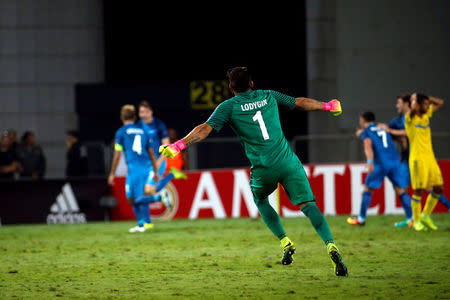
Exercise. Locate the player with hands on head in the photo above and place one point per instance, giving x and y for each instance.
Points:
(425, 171)
(396, 128)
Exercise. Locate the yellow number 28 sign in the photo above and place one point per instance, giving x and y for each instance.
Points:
(207, 94)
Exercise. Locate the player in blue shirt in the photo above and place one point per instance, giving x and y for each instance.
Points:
(157, 131)
(396, 128)
(132, 140)
(156, 128)
(382, 160)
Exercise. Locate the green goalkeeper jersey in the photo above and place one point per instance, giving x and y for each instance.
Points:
(254, 117)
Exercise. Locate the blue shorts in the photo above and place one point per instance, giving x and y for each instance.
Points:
(395, 175)
(135, 183)
(404, 169)
(161, 171)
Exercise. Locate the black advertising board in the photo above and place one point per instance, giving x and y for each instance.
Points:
(52, 201)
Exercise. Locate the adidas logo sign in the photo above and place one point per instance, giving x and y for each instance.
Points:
(65, 210)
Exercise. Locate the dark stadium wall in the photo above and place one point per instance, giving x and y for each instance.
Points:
(368, 52)
(364, 52)
(147, 41)
(155, 53)
(46, 47)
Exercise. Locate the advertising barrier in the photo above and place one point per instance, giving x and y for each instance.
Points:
(226, 194)
(52, 201)
(205, 194)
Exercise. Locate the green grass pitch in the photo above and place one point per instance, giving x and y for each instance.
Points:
(230, 258)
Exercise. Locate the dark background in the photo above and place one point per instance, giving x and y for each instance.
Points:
(153, 52)
(29, 201)
(145, 42)
(363, 53)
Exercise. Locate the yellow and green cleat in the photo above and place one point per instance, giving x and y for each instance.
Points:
(340, 269)
(177, 174)
(288, 251)
(418, 226)
(149, 226)
(426, 220)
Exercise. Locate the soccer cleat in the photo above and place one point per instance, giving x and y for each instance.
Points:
(418, 226)
(355, 221)
(340, 269)
(426, 220)
(165, 199)
(288, 251)
(404, 223)
(136, 229)
(149, 226)
(177, 174)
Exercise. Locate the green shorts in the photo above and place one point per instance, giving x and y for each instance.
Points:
(289, 173)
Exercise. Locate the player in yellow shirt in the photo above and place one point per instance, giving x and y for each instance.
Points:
(423, 166)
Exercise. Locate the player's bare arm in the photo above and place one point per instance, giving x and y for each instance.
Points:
(415, 108)
(358, 132)
(394, 132)
(197, 134)
(159, 161)
(368, 150)
(165, 141)
(115, 163)
(154, 164)
(308, 104)
(437, 102)
(397, 132)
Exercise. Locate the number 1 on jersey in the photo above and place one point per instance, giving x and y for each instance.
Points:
(258, 117)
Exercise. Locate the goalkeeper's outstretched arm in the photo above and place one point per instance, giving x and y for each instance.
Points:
(197, 134)
(308, 104)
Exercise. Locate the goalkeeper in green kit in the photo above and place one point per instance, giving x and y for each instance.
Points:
(253, 116)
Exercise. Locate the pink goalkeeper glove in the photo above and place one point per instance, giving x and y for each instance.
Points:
(334, 106)
(171, 150)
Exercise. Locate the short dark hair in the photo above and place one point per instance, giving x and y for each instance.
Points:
(368, 116)
(26, 135)
(145, 103)
(73, 133)
(239, 78)
(405, 98)
(421, 98)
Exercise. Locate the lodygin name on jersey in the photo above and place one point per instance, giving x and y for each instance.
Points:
(253, 105)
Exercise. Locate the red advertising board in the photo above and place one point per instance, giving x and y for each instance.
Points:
(226, 193)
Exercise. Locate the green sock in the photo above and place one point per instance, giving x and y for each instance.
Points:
(318, 222)
(271, 218)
